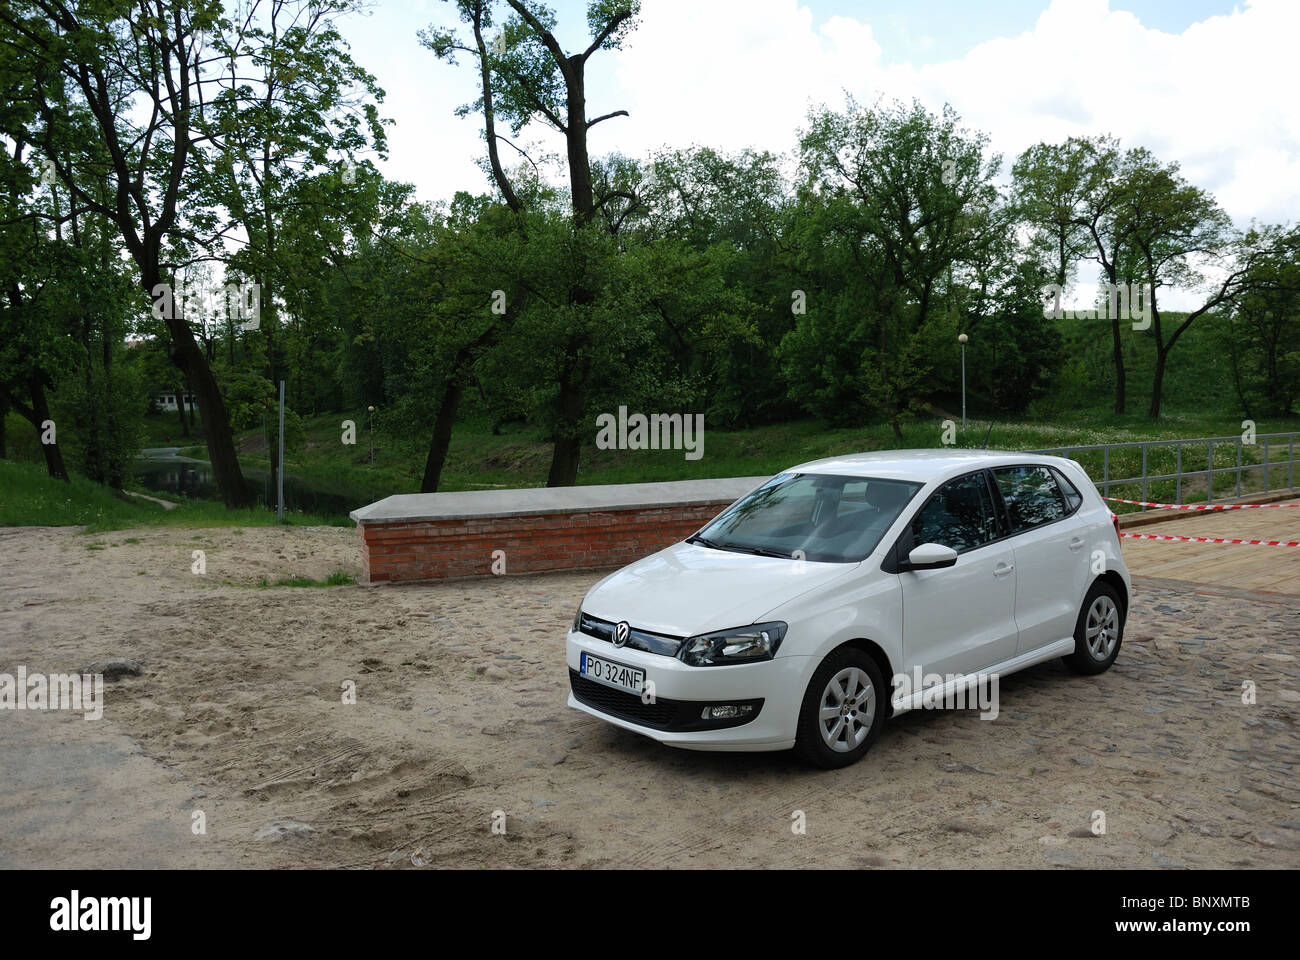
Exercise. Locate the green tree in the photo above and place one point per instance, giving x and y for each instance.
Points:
(1173, 226)
(1263, 331)
(527, 75)
(1072, 194)
(139, 76)
(290, 103)
(909, 199)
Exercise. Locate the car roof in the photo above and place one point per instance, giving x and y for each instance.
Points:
(919, 465)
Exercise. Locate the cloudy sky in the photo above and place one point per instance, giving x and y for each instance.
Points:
(1207, 83)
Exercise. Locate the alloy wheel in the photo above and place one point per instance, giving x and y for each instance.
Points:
(1102, 629)
(848, 707)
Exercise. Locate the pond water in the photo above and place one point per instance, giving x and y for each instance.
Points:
(160, 470)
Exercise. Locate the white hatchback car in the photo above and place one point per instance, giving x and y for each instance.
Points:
(789, 620)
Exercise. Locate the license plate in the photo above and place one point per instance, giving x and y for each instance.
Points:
(612, 674)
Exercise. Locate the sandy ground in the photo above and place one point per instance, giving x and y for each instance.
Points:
(460, 713)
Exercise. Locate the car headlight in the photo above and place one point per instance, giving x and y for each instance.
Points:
(577, 619)
(758, 641)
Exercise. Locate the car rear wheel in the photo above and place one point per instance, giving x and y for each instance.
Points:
(1098, 632)
(842, 711)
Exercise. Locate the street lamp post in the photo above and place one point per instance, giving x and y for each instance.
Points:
(962, 338)
(371, 419)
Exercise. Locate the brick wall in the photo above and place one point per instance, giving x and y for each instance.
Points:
(438, 549)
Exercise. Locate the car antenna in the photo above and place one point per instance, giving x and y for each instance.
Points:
(986, 436)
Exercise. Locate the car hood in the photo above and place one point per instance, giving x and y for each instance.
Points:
(689, 589)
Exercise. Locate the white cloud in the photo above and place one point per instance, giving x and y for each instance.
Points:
(1219, 98)
(733, 75)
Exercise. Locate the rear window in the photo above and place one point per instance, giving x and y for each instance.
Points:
(1032, 495)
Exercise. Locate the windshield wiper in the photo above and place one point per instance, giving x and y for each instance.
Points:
(740, 548)
(757, 551)
(764, 552)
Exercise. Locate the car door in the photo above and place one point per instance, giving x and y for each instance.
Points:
(1052, 551)
(959, 619)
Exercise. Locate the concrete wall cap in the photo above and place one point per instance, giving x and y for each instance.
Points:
(418, 507)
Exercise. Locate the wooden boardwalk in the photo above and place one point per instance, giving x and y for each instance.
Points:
(1266, 569)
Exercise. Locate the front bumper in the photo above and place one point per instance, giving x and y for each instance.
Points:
(774, 687)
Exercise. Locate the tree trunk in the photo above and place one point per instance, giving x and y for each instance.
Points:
(40, 414)
(216, 426)
(180, 409)
(1162, 350)
(571, 400)
(571, 403)
(1157, 384)
(1120, 378)
(189, 359)
(267, 328)
(94, 465)
(442, 425)
(1235, 363)
(454, 390)
(116, 452)
(584, 201)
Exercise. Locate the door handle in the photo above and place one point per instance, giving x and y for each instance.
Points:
(1077, 543)
(1002, 569)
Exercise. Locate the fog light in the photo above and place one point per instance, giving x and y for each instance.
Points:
(727, 712)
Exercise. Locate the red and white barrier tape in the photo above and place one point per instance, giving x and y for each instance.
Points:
(1201, 506)
(1254, 543)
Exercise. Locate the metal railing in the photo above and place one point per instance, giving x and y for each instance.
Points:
(1191, 460)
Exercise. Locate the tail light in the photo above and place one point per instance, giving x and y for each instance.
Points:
(1114, 519)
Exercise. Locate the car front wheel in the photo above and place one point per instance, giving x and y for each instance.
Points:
(842, 711)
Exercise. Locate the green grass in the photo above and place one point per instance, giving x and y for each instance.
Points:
(336, 579)
(29, 497)
(520, 456)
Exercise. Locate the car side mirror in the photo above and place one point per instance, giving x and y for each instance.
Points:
(930, 556)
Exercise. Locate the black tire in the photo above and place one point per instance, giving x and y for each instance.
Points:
(1102, 609)
(810, 743)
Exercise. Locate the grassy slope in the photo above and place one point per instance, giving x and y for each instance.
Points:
(28, 497)
(520, 457)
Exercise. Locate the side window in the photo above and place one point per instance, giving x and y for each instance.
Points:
(960, 515)
(1072, 496)
(1032, 495)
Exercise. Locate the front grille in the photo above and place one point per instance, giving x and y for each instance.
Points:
(675, 715)
(619, 703)
(658, 643)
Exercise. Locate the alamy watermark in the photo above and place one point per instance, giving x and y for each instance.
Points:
(75, 913)
(241, 303)
(658, 431)
(950, 691)
(1121, 301)
(57, 691)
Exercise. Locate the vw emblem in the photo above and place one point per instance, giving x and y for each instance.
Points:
(621, 633)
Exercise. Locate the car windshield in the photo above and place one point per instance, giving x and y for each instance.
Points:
(811, 516)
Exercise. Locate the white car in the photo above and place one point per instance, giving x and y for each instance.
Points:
(793, 619)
